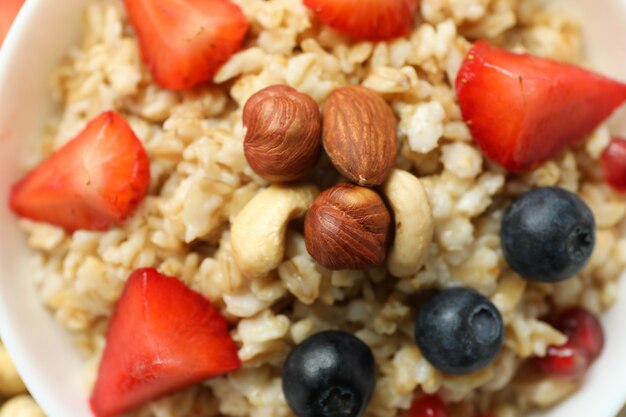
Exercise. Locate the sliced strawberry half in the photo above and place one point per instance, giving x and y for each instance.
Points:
(523, 110)
(95, 180)
(162, 337)
(373, 20)
(184, 42)
(8, 11)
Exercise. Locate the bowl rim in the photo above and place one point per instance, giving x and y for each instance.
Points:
(54, 405)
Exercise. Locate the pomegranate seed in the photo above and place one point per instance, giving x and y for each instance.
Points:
(565, 362)
(429, 406)
(583, 329)
(614, 164)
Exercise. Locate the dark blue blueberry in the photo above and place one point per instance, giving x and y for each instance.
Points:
(548, 234)
(459, 331)
(330, 374)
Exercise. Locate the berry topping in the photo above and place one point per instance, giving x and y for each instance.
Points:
(330, 374)
(162, 337)
(523, 110)
(373, 20)
(583, 329)
(584, 344)
(184, 42)
(8, 11)
(429, 406)
(614, 164)
(94, 181)
(459, 331)
(565, 362)
(548, 234)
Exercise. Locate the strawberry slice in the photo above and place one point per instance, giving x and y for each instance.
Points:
(8, 11)
(373, 20)
(184, 42)
(523, 110)
(162, 337)
(95, 180)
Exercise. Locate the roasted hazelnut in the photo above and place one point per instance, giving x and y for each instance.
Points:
(359, 135)
(347, 228)
(282, 133)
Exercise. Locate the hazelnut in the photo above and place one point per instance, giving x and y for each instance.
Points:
(282, 133)
(359, 135)
(347, 228)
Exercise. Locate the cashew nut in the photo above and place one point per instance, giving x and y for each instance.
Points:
(258, 232)
(22, 406)
(414, 223)
(10, 382)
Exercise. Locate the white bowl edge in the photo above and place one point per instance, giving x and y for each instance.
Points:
(44, 354)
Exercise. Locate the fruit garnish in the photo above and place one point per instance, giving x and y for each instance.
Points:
(8, 11)
(330, 374)
(548, 234)
(162, 337)
(94, 181)
(614, 164)
(523, 110)
(584, 345)
(373, 20)
(428, 406)
(567, 361)
(459, 331)
(184, 42)
(583, 329)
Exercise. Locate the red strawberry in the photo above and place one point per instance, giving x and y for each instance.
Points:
(184, 42)
(614, 164)
(8, 10)
(373, 20)
(95, 180)
(428, 406)
(162, 337)
(523, 110)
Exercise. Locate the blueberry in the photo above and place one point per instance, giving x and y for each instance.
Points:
(459, 331)
(548, 234)
(330, 374)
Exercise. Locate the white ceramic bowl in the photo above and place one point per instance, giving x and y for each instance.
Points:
(43, 353)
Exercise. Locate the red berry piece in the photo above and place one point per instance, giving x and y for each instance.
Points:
(93, 182)
(584, 344)
(523, 110)
(373, 20)
(614, 164)
(162, 337)
(184, 42)
(584, 330)
(8, 11)
(429, 406)
(565, 362)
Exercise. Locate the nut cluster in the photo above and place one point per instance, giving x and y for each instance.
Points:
(347, 226)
